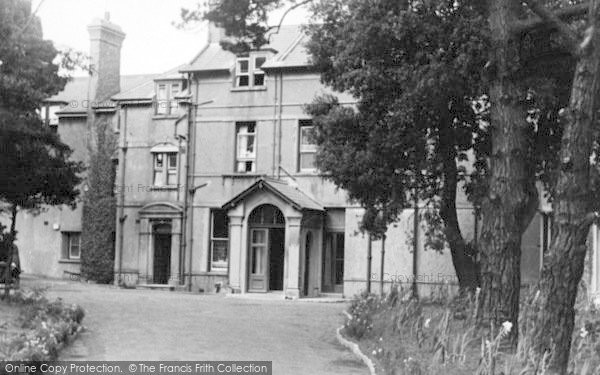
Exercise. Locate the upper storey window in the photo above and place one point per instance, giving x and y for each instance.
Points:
(248, 72)
(166, 94)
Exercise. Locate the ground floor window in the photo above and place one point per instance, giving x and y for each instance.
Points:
(219, 240)
(71, 245)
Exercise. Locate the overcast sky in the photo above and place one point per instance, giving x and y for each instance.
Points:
(152, 44)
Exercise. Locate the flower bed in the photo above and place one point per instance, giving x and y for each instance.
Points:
(44, 327)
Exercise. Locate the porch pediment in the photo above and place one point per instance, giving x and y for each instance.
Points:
(161, 209)
(281, 189)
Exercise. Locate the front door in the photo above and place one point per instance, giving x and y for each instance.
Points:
(259, 248)
(276, 255)
(162, 254)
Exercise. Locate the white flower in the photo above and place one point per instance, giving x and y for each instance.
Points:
(374, 352)
(583, 332)
(381, 339)
(507, 326)
(426, 325)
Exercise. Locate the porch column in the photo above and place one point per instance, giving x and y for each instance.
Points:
(174, 278)
(292, 256)
(144, 253)
(236, 248)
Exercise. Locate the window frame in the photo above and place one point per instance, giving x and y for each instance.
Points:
(218, 266)
(307, 149)
(166, 170)
(245, 159)
(251, 73)
(68, 247)
(168, 105)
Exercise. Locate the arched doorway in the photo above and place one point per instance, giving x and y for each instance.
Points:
(266, 249)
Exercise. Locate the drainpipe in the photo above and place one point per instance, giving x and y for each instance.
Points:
(280, 125)
(274, 165)
(369, 257)
(121, 203)
(415, 290)
(382, 265)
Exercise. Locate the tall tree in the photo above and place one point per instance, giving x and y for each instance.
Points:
(414, 117)
(35, 169)
(414, 70)
(573, 197)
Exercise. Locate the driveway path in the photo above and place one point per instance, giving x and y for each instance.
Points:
(299, 337)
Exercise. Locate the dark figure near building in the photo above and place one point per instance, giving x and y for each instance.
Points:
(10, 269)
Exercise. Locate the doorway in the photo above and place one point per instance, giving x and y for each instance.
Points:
(161, 234)
(307, 250)
(333, 263)
(266, 249)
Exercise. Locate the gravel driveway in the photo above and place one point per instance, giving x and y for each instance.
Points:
(299, 337)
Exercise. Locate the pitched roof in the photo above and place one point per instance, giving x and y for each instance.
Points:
(287, 44)
(145, 90)
(77, 88)
(290, 194)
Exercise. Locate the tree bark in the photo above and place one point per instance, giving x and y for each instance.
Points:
(512, 196)
(13, 223)
(564, 265)
(465, 265)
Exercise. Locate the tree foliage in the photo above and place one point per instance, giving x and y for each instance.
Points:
(35, 169)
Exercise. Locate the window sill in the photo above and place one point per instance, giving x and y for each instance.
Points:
(164, 188)
(241, 89)
(69, 261)
(244, 175)
(165, 117)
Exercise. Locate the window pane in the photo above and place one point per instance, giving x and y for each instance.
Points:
(219, 254)
(243, 66)
(162, 92)
(259, 79)
(259, 237)
(220, 224)
(257, 260)
(243, 81)
(308, 161)
(307, 136)
(174, 90)
(158, 160)
(172, 160)
(259, 61)
(246, 146)
(74, 245)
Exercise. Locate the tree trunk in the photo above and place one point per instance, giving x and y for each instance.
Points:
(564, 265)
(13, 223)
(465, 265)
(512, 196)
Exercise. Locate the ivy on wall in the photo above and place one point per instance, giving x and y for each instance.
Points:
(99, 206)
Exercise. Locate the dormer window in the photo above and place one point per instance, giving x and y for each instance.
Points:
(166, 93)
(248, 73)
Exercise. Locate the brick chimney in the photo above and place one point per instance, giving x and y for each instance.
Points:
(106, 39)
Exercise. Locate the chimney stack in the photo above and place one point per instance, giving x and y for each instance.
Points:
(215, 33)
(106, 40)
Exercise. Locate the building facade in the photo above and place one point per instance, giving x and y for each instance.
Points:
(217, 186)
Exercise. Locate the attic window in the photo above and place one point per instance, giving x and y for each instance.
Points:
(248, 72)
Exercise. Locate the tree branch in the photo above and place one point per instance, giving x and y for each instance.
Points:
(552, 19)
(278, 27)
(560, 15)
